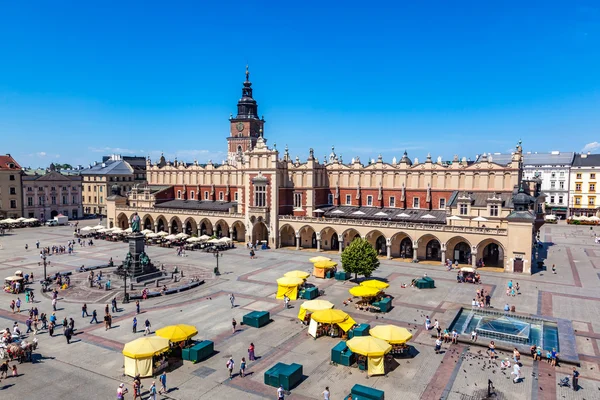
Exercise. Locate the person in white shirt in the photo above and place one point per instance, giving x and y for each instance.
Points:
(280, 393)
(516, 372)
(326, 393)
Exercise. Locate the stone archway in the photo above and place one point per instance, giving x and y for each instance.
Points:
(395, 243)
(190, 227)
(308, 237)
(329, 239)
(221, 228)
(161, 224)
(377, 240)
(122, 221)
(260, 233)
(430, 248)
(175, 226)
(461, 252)
(491, 252)
(238, 231)
(348, 236)
(148, 222)
(406, 248)
(287, 236)
(205, 227)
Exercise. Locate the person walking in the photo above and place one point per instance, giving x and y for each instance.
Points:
(280, 393)
(137, 306)
(94, 317)
(12, 306)
(106, 309)
(114, 305)
(163, 383)
(121, 391)
(233, 325)
(251, 356)
(68, 334)
(54, 301)
(107, 321)
(243, 367)
(326, 393)
(286, 301)
(28, 324)
(152, 391)
(27, 297)
(84, 312)
(232, 300)
(147, 329)
(18, 305)
(553, 269)
(575, 379)
(134, 325)
(230, 365)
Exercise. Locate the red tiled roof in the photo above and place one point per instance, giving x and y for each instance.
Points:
(6, 160)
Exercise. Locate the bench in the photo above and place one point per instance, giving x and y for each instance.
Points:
(361, 392)
(257, 319)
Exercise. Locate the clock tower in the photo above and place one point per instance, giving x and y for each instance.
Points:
(246, 127)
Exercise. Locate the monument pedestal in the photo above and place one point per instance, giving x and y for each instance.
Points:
(136, 249)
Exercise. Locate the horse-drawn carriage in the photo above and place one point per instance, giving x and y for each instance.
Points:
(21, 351)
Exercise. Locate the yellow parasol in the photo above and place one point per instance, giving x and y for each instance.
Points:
(177, 333)
(296, 274)
(364, 291)
(312, 306)
(374, 283)
(145, 347)
(331, 316)
(319, 258)
(290, 281)
(325, 264)
(391, 333)
(368, 346)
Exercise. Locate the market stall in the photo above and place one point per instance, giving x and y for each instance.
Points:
(394, 335)
(309, 307)
(289, 287)
(14, 284)
(329, 322)
(318, 258)
(145, 356)
(322, 267)
(370, 299)
(297, 274)
(179, 336)
(374, 283)
(371, 352)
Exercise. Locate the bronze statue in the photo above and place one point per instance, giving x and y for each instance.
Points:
(135, 223)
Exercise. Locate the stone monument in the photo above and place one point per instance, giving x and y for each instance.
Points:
(137, 263)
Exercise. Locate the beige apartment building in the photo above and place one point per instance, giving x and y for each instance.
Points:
(583, 191)
(426, 210)
(125, 172)
(11, 197)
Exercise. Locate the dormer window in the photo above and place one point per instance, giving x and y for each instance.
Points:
(463, 209)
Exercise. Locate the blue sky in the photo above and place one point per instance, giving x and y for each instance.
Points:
(79, 80)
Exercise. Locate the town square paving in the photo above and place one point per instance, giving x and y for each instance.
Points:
(92, 365)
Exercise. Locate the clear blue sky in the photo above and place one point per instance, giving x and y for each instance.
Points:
(139, 77)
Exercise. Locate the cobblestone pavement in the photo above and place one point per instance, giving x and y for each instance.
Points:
(93, 363)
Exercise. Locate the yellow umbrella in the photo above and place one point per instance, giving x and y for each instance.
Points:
(290, 281)
(312, 306)
(145, 347)
(374, 283)
(331, 316)
(325, 264)
(364, 291)
(368, 346)
(391, 333)
(177, 333)
(318, 258)
(296, 274)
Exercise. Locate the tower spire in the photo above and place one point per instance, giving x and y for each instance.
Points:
(247, 74)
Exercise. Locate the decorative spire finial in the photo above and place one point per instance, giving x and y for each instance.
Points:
(247, 73)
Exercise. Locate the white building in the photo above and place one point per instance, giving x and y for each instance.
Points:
(554, 170)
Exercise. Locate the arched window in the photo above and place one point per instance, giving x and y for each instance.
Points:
(192, 195)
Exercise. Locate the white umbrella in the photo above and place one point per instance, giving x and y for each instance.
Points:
(10, 221)
(162, 234)
(337, 212)
(99, 226)
(21, 219)
(146, 232)
(403, 215)
(152, 235)
(171, 237)
(117, 231)
(318, 210)
(480, 219)
(29, 220)
(358, 213)
(182, 235)
(583, 218)
(428, 216)
(455, 218)
(381, 214)
(104, 230)
(225, 240)
(214, 241)
(204, 238)
(193, 240)
(87, 229)
(128, 230)
(592, 218)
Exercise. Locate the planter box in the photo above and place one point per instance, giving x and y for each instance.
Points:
(360, 392)
(257, 319)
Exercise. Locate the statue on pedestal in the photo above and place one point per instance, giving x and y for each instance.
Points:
(135, 223)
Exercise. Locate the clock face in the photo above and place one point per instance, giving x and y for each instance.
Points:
(240, 126)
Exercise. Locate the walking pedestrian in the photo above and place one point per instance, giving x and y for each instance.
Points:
(114, 305)
(107, 321)
(51, 329)
(121, 391)
(575, 379)
(251, 352)
(427, 323)
(28, 324)
(147, 330)
(230, 365)
(553, 269)
(163, 382)
(232, 300)
(134, 325)
(84, 312)
(243, 367)
(326, 393)
(54, 301)
(286, 301)
(152, 390)
(280, 393)
(233, 325)
(106, 309)
(12, 306)
(27, 296)
(18, 305)
(68, 334)
(94, 317)
(137, 306)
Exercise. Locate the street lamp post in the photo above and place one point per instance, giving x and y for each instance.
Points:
(46, 263)
(218, 254)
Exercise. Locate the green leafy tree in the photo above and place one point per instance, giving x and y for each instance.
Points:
(360, 258)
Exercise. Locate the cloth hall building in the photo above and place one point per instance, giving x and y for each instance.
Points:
(409, 209)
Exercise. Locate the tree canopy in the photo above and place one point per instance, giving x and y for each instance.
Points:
(360, 258)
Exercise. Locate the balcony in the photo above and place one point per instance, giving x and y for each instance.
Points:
(395, 225)
(201, 213)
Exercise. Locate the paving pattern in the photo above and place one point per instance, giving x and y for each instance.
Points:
(93, 362)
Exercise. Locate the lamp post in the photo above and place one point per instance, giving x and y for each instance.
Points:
(217, 255)
(46, 263)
